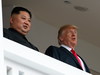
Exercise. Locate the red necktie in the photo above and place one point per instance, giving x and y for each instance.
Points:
(74, 53)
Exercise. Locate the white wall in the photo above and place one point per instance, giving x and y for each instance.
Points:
(43, 35)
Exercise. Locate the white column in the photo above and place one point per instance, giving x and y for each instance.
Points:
(1, 42)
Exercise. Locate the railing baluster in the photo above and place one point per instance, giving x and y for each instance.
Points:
(12, 71)
(5, 70)
(21, 73)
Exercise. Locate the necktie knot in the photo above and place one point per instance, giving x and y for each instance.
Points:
(73, 51)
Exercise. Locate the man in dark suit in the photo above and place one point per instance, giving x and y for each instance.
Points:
(67, 39)
(20, 23)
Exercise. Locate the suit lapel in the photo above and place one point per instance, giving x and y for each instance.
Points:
(86, 67)
(71, 55)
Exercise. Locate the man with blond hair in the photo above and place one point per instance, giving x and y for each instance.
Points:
(67, 39)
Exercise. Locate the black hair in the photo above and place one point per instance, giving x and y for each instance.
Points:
(17, 10)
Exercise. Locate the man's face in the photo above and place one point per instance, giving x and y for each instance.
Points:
(21, 22)
(69, 37)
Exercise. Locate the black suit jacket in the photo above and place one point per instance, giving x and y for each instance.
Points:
(65, 56)
(17, 37)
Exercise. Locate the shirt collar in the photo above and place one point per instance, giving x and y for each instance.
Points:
(68, 48)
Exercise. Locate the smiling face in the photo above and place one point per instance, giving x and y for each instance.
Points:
(21, 22)
(69, 37)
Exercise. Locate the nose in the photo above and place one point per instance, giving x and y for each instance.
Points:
(27, 22)
(73, 33)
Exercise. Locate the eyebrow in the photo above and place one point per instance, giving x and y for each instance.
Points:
(26, 17)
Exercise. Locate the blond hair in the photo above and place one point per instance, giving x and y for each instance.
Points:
(62, 28)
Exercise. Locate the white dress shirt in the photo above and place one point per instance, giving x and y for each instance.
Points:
(69, 49)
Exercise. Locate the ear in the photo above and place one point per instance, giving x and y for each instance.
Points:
(61, 38)
(11, 19)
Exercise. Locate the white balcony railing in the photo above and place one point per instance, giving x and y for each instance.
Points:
(21, 60)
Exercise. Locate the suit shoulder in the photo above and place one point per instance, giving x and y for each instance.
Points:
(4, 29)
(5, 32)
(53, 46)
(51, 49)
(9, 34)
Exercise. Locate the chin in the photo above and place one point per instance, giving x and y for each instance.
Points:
(74, 43)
